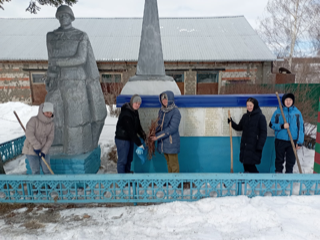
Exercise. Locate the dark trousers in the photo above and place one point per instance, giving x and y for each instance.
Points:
(284, 150)
(1, 166)
(250, 168)
(125, 155)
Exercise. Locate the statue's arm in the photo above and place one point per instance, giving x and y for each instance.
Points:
(51, 63)
(79, 58)
(52, 72)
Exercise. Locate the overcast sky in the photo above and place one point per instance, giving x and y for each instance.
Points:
(251, 9)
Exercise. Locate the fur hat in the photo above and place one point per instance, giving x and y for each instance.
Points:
(47, 107)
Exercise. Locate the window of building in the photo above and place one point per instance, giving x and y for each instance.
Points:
(207, 77)
(38, 77)
(110, 78)
(178, 76)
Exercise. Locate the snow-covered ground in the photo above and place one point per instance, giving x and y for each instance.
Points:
(296, 217)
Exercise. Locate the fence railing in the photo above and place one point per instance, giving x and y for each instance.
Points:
(12, 148)
(138, 188)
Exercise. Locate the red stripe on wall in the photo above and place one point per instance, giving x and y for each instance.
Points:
(13, 87)
(9, 79)
(241, 70)
(317, 158)
(238, 78)
(235, 70)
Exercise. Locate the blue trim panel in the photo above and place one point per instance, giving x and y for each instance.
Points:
(205, 101)
(205, 155)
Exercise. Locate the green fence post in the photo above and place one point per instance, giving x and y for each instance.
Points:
(316, 168)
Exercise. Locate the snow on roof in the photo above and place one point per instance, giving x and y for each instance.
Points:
(118, 39)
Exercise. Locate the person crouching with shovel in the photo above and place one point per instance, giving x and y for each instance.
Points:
(39, 138)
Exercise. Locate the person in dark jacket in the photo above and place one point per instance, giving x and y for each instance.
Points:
(127, 130)
(254, 135)
(167, 132)
(283, 145)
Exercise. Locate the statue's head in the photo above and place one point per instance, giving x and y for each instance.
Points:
(62, 10)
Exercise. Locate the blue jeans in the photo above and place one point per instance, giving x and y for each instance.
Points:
(125, 155)
(36, 161)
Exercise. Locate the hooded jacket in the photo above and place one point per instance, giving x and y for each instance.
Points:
(254, 135)
(167, 132)
(39, 134)
(128, 125)
(293, 117)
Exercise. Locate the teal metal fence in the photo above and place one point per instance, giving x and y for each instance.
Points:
(143, 188)
(12, 148)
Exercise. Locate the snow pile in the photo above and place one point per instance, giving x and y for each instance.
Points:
(227, 218)
(10, 127)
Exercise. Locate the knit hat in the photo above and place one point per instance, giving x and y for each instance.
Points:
(288, 95)
(135, 99)
(47, 107)
(164, 96)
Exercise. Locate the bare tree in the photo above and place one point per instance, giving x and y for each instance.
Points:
(34, 4)
(286, 27)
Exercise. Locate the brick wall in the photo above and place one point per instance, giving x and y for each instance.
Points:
(16, 86)
(14, 83)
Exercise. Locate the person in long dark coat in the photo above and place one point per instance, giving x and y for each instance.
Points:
(127, 130)
(254, 134)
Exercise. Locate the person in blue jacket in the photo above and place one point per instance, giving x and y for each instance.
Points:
(167, 132)
(283, 147)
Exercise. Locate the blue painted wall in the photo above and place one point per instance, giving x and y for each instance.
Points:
(207, 154)
(205, 101)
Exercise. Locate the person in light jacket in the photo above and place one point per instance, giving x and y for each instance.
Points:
(167, 132)
(39, 138)
(283, 147)
(253, 125)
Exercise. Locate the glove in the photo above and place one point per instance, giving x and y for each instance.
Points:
(139, 150)
(43, 155)
(229, 120)
(38, 152)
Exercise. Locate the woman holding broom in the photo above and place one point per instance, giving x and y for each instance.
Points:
(254, 134)
(39, 138)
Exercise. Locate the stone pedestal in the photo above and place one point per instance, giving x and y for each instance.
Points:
(76, 164)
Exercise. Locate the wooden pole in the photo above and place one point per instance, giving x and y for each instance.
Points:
(231, 146)
(289, 133)
(19, 121)
(42, 158)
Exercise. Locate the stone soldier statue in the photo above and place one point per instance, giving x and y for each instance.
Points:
(73, 87)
